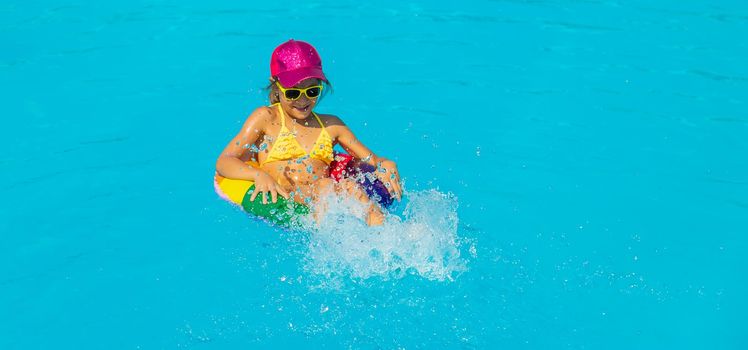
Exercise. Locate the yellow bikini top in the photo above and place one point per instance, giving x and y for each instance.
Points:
(286, 147)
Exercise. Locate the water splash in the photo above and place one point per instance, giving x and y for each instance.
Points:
(421, 240)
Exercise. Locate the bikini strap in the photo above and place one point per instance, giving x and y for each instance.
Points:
(319, 120)
(283, 116)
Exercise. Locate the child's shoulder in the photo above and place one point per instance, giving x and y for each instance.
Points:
(261, 114)
(259, 119)
(331, 120)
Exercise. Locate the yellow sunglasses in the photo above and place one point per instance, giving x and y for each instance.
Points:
(294, 93)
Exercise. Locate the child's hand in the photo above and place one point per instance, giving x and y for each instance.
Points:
(387, 173)
(265, 183)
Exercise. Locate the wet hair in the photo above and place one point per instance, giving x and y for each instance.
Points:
(274, 91)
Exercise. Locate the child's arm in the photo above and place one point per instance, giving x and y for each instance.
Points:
(230, 164)
(388, 174)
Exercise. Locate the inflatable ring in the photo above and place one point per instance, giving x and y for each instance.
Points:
(286, 212)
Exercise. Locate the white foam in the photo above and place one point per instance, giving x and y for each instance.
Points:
(422, 240)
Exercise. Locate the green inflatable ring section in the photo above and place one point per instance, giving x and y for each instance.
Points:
(283, 212)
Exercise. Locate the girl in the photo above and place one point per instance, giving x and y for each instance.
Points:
(285, 149)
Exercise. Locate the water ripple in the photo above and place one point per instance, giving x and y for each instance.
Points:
(729, 120)
(716, 76)
(578, 27)
(244, 34)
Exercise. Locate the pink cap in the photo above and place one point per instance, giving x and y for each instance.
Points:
(294, 61)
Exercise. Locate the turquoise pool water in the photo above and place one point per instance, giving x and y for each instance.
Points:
(576, 175)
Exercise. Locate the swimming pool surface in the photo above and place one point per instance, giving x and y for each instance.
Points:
(576, 175)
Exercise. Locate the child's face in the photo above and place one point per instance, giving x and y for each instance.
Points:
(300, 108)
